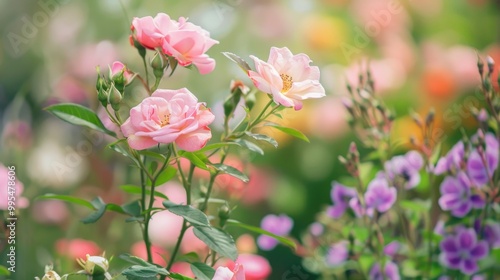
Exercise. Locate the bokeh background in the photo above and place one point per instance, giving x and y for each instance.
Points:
(422, 54)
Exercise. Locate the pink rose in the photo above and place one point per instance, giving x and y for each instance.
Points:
(169, 116)
(77, 248)
(288, 78)
(224, 273)
(117, 68)
(8, 178)
(188, 45)
(150, 32)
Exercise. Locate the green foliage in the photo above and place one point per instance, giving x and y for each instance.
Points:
(238, 60)
(202, 271)
(258, 230)
(290, 131)
(189, 213)
(231, 171)
(4, 271)
(137, 190)
(218, 240)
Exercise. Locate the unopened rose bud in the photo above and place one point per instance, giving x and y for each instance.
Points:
(114, 98)
(140, 48)
(158, 64)
(224, 214)
(491, 65)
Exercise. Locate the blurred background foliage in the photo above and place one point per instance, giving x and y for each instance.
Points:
(422, 54)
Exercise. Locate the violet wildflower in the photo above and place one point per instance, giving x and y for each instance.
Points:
(406, 167)
(392, 249)
(462, 251)
(340, 196)
(337, 253)
(379, 196)
(356, 207)
(456, 196)
(452, 161)
(490, 232)
(391, 271)
(478, 172)
(280, 225)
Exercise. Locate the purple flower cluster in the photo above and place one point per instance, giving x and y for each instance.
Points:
(457, 197)
(463, 250)
(280, 225)
(337, 253)
(406, 167)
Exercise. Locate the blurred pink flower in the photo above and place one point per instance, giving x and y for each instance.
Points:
(328, 119)
(9, 184)
(224, 273)
(270, 20)
(17, 133)
(50, 211)
(377, 17)
(92, 55)
(69, 89)
(183, 268)
(150, 31)
(288, 78)
(256, 267)
(191, 243)
(169, 116)
(77, 248)
(159, 255)
(188, 45)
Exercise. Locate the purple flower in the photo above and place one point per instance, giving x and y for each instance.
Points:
(406, 167)
(490, 232)
(337, 253)
(456, 196)
(452, 161)
(462, 251)
(316, 229)
(391, 271)
(478, 173)
(356, 207)
(379, 196)
(340, 196)
(280, 225)
(392, 249)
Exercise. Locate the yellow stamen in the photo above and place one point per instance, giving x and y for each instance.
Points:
(165, 120)
(287, 82)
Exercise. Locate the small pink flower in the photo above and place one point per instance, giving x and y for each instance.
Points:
(224, 273)
(169, 116)
(188, 45)
(288, 78)
(117, 68)
(150, 32)
(11, 188)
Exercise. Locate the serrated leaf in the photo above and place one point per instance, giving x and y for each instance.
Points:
(100, 207)
(217, 240)
(189, 213)
(238, 60)
(137, 190)
(202, 271)
(263, 137)
(194, 159)
(78, 115)
(137, 272)
(231, 171)
(68, 198)
(290, 131)
(249, 145)
(258, 230)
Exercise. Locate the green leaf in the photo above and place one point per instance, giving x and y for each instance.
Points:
(78, 115)
(132, 208)
(179, 276)
(290, 131)
(202, 271)
(137, 272)
(152, 154)
(238, 60)
(4, 271)
(119, 149)
(194, 158)
(416, 205)
(263, 137)
(166, 175)
(258, 230)
(217, 146)
(190, 257)
(100, 207)
(137, 190)
(217, 240)
(115, 208)
(231, 171)
(188, 212)
(249, 145)
(68, 198)
(133, 259)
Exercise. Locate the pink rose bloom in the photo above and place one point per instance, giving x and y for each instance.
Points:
(6, 176)
(116, 68)
(256, 267)
(77, 248)
(224, 273)
(288, 78)
(169, 116)
(188, 45)
(150, 32)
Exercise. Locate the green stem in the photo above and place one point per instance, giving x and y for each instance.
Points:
(258, 119)
(145, 234)
(147, 73)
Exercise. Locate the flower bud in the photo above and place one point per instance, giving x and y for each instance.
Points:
(94, 265)
(224, 214)
(491, 65)
(480, 66)
(158, 64)
(114, 98)
(140, 48)
(482, 116)
(237, 89)
(430, 117)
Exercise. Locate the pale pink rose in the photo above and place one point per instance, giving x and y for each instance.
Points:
(11, 189)
(169, 116)
(256, 267)
(150, 32)
(17, 134)
(159, 255)
(288, 78)
(188, 45)
(77, 248)
(116, 68)
(224, 273)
